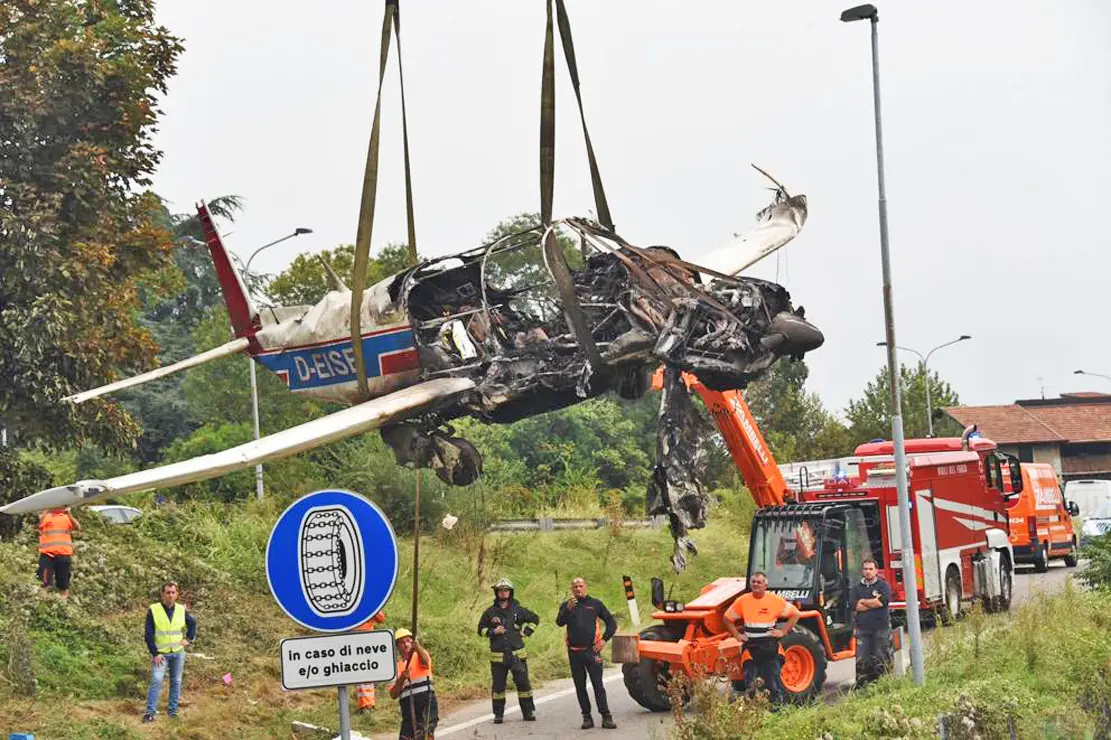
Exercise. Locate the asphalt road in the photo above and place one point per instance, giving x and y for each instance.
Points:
(558, 711)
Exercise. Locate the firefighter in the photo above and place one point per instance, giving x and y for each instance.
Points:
(365, 697)
(420, 712)
(871, 599)
(760, 612)
(504, 622)
(581, 614)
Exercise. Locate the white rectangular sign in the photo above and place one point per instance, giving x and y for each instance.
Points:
(338, 660)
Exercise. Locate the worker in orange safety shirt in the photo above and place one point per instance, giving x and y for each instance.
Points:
(760, 613)
(420, 712)
(56, 529)
(364, 692)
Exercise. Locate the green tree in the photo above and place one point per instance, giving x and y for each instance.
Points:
(174, 318)
(869, 416)
(794, 422)
(160, 407)
(305, 281)
(80, 237)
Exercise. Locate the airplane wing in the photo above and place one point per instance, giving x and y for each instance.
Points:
(346, 423)
(231, 348)
(776, 225)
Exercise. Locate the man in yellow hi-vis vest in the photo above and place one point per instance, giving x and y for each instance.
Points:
(170, 629)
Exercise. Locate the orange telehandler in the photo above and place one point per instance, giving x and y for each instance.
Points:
(808, 543)
(693, 634)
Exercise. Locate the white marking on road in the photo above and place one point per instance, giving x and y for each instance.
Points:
(511, 710)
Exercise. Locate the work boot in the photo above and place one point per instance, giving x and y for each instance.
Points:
(148, 717)
(498, 719)
(528, 716)
(588, 722)
(607, 722)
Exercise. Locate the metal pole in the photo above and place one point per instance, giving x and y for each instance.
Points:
(910, 581)
(929, 409)
(254, 409)
(344, 714)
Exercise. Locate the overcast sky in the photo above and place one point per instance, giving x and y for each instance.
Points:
(996, 121)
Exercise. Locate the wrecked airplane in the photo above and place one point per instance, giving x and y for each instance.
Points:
(494, 333)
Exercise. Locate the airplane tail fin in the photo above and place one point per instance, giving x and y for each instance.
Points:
(244, 317)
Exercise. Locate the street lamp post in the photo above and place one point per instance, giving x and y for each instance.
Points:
(910, 579)
(926, 371)
(1097, 375)
(254, 378)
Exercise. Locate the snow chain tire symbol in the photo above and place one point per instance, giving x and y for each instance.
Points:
(332, 560)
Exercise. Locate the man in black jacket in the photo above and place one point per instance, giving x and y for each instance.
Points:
(504, 622)
(871, 600)
(585, 641)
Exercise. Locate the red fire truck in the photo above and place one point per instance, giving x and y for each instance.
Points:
(811, 541)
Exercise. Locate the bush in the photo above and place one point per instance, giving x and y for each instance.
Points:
(1044, 669)
(1098, 572)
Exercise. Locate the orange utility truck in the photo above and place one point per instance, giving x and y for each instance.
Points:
(1041, 520)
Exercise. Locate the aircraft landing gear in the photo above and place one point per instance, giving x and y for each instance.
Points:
(456, 461)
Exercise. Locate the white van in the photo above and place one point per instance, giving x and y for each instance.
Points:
(1088, 494)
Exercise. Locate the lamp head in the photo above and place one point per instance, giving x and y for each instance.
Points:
(860, 13)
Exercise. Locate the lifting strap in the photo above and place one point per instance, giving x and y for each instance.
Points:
(390, 19)
(553, 254)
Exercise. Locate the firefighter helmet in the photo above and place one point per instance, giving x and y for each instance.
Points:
(503, 584)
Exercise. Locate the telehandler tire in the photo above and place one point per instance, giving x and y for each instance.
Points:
(646, 681)
(804, 665)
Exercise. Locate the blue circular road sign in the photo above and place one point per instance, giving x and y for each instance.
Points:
(331, 560)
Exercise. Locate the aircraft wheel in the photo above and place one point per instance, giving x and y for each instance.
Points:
(467, 467)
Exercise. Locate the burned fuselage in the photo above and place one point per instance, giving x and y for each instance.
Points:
(492, 315)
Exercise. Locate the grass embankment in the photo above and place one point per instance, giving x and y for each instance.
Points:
(78, 669)
(1046, 667)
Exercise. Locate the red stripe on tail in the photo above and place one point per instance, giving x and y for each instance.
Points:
(243, 320)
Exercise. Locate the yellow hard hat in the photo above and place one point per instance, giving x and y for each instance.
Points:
(399, 634)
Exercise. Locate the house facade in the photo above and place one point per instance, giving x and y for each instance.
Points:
(1072, 433)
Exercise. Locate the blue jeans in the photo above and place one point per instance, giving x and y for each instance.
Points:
(175, 663)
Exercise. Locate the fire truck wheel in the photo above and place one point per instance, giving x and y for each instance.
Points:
(951, 612)
(646, 680)
(804, 665)
(1071, 559)
(1041, 562)
(1006, 583)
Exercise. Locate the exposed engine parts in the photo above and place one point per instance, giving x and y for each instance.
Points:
(495, 315)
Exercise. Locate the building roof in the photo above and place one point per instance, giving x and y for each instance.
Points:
(1075, 417)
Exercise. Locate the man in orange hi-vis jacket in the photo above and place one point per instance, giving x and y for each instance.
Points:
(364, 692)
(56, 528)
(760, 612)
